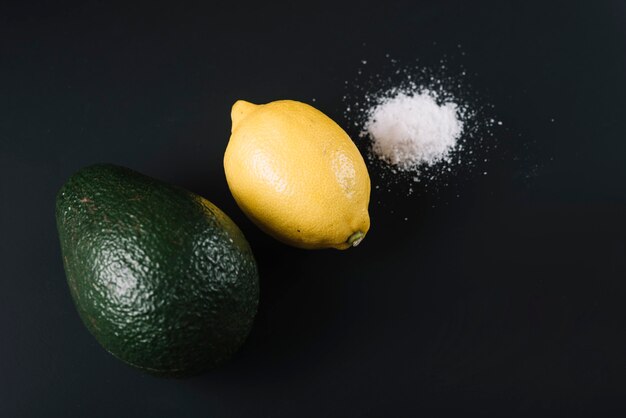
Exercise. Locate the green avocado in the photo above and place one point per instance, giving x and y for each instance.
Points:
(161, 277)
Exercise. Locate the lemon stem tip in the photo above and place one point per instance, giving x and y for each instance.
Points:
(356, 238)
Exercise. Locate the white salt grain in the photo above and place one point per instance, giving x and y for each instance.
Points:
(409, 130)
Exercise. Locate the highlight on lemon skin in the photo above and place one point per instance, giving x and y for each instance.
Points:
(297, 175)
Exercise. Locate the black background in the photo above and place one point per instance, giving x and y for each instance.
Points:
(508, 300)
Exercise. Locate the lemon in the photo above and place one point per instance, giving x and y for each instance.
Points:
(297, 175)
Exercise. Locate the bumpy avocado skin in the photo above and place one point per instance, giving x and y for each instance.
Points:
(161, 277)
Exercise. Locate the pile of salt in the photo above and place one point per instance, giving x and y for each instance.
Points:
(409, 130)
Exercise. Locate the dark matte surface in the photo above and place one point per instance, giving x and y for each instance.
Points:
(506, 301)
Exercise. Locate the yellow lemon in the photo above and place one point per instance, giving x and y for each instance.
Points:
(297, 175)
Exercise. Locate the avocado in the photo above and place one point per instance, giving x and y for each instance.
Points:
(161, 277)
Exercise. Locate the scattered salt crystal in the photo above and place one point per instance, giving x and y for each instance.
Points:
(408, 130)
